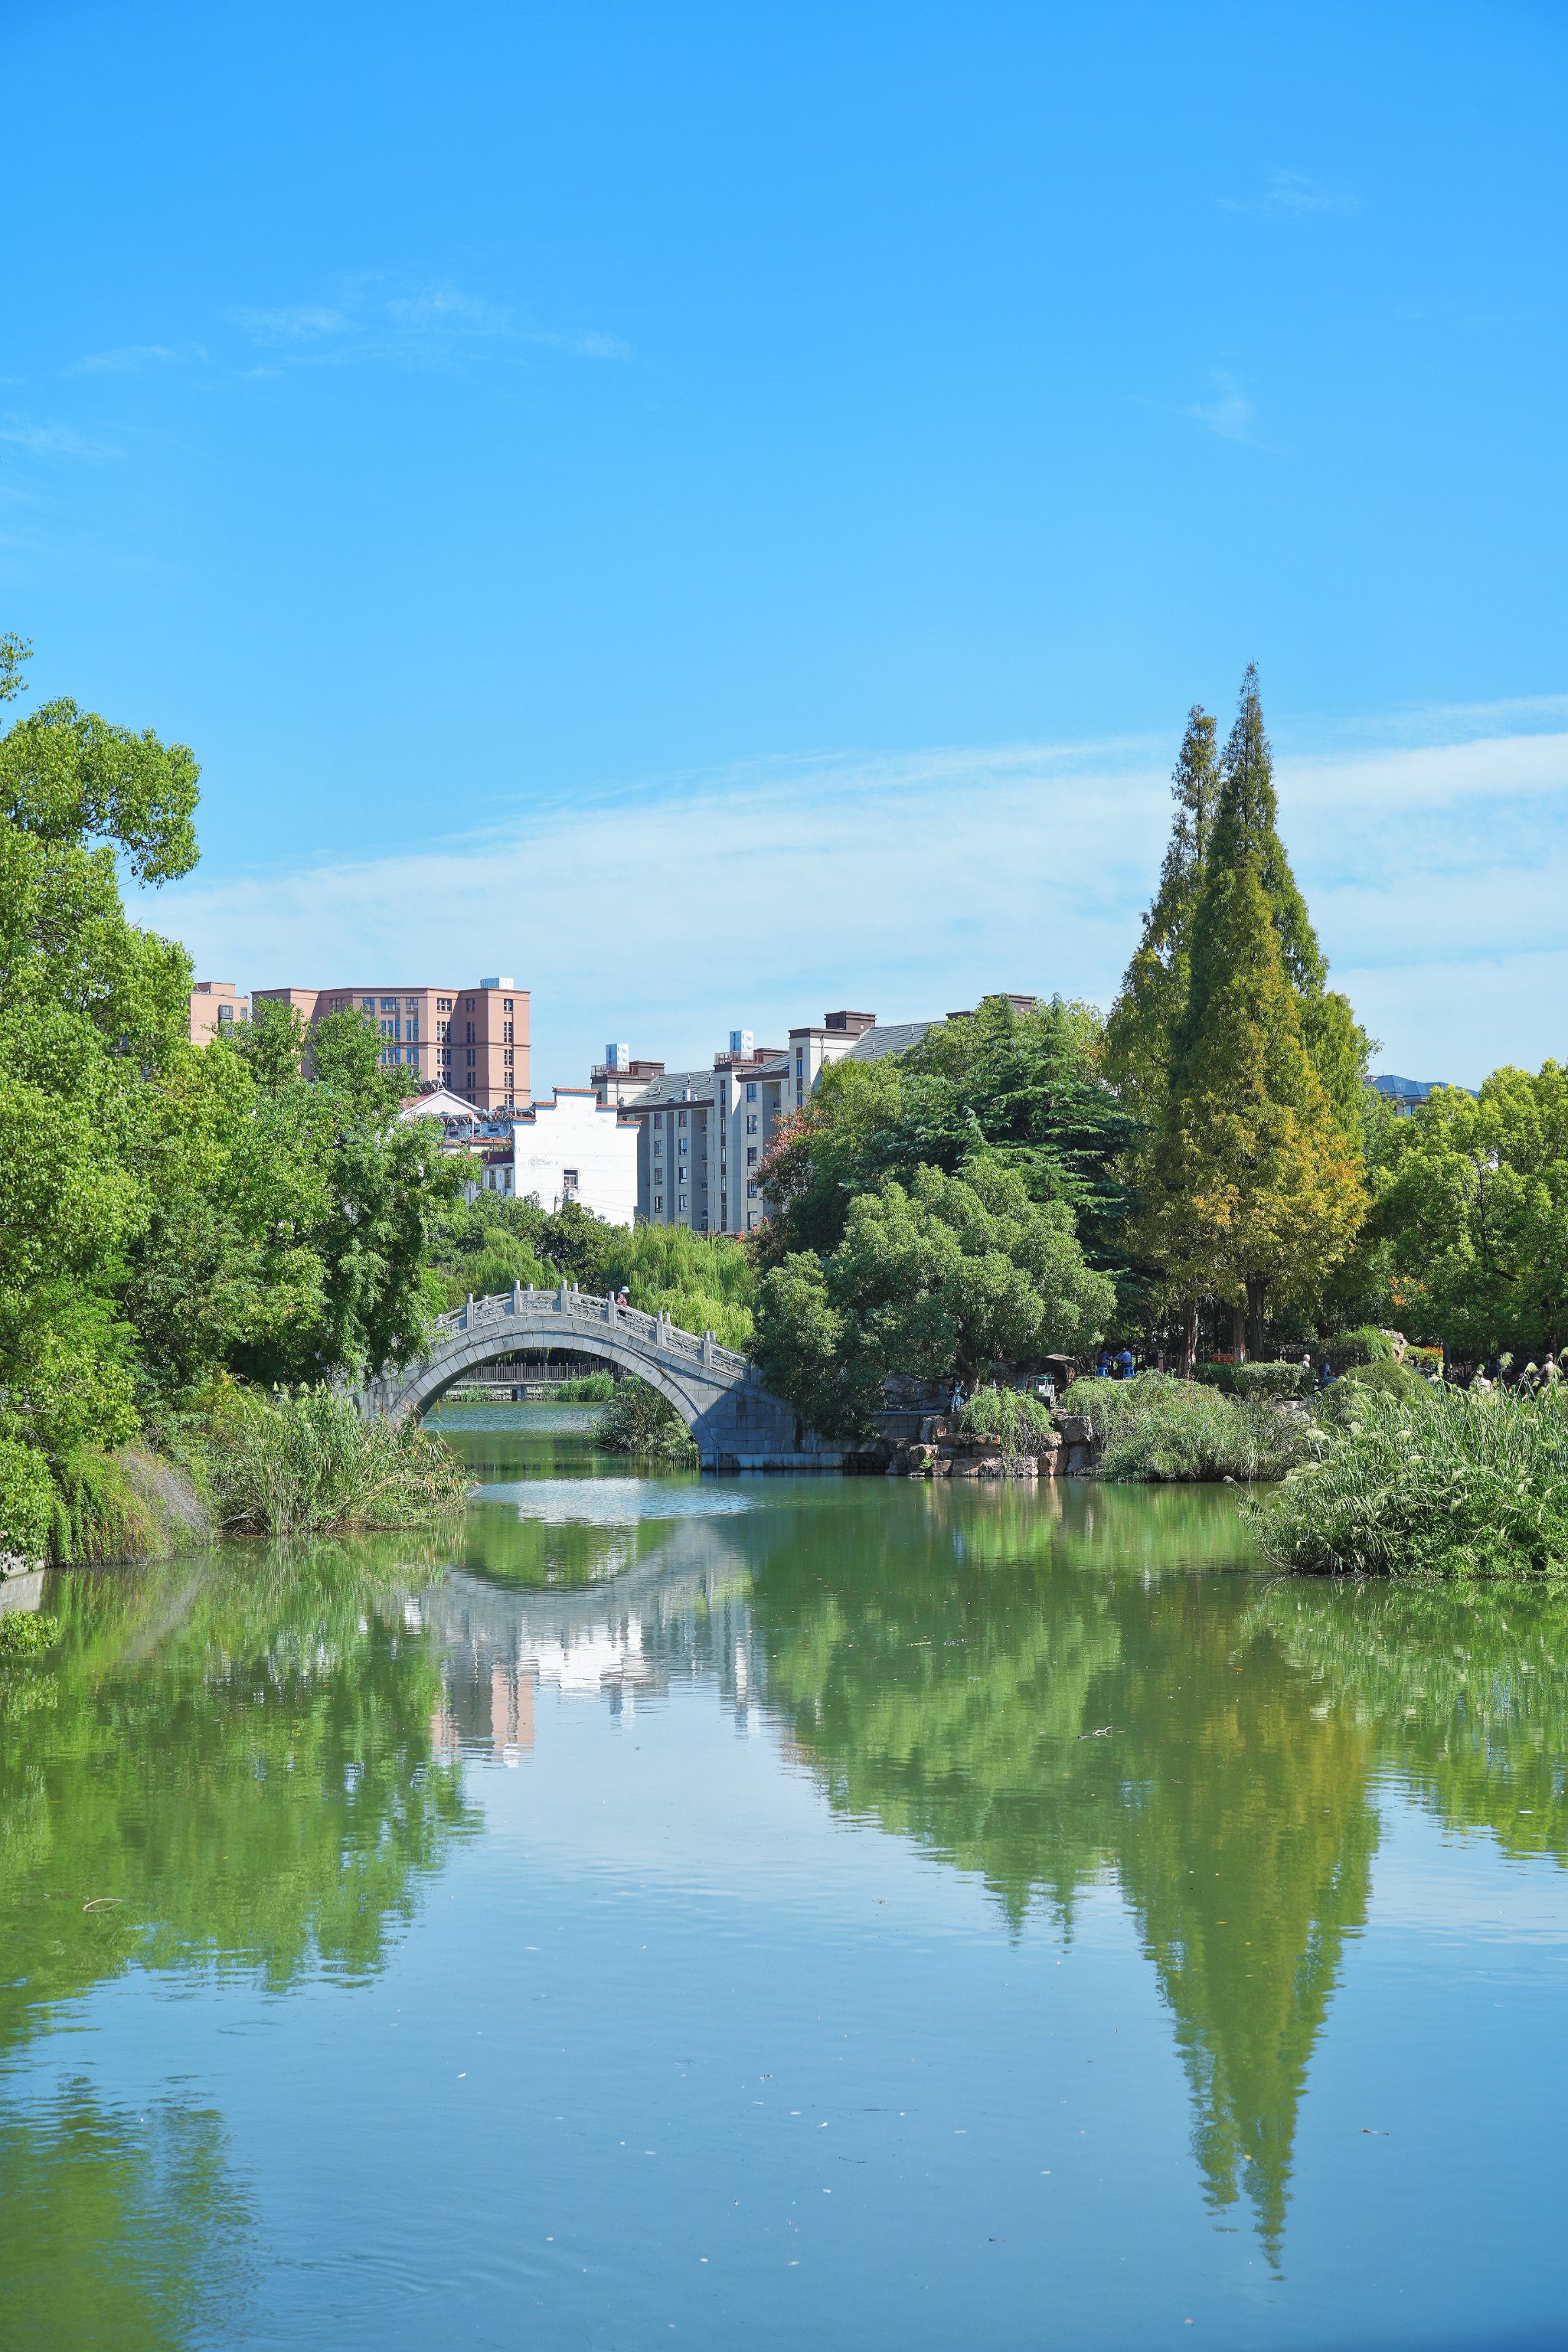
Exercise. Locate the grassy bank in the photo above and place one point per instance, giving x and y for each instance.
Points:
(1159, 1429)
(1437, 1481)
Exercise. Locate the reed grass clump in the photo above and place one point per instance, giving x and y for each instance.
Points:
(303, 1460)
(1018, 1423)
(1439, 1482)
(1161, 1430)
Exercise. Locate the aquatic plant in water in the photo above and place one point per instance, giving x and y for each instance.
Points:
(1440, 1481)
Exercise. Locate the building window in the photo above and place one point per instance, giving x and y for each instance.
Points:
(751, 1155)
(506, 1033)
(686, 1143)
(442, 1028)
(683, 1118)
(469, 1035)
(682, 1206)
(506, 1057)
(390, 1004)
(443, 1004)
(658, 1146)
(751, 1192)
(470, 1057)
(751, 1090)
(751, 1122)
(569, 1183)
(506, 1006)
(367, 1003)
(659, 1202)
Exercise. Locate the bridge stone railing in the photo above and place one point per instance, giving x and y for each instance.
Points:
(737, 1424)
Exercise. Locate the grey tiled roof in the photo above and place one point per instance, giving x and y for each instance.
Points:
(890, 1037)
(672, 1089)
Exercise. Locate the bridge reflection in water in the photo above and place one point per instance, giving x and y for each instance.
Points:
(1047, 1691)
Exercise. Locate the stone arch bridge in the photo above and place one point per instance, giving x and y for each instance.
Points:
(737, 1424)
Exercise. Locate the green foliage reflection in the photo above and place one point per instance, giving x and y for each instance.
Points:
(226, 1763)
(123, 2232)
(1037, 1689)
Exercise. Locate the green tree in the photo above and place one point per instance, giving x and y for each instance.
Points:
(949, 1274)
(1473, 1206)
(1026, 1087)
(1253, 1186)
(285, 1234)
(1141, 1031)
(92, 1016)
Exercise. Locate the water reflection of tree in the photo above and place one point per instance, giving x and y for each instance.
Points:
(123, 2232)
(1036, 1690)
(226, 1763)
(1463, 1687)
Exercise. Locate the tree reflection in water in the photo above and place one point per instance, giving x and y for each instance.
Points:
(224, 1766)
(123, 2232)
(1038, 1689)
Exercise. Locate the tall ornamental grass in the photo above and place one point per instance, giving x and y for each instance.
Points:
(301, 1461)
(1019, 1423)
(1160, 1429)
(1439, 1482)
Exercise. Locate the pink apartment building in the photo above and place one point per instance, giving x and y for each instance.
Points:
(215, 1004)
(473, 1040)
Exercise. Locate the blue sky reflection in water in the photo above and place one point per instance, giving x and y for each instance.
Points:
(877, 1916)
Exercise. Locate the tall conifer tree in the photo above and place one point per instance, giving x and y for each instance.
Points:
(1141, 1032)
(1154, 994)
(1254, 1183)
(1334, 1037)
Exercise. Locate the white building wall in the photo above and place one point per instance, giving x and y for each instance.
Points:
(571, 1148)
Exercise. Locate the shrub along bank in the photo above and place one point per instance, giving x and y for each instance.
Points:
(1160, 1429)
(1437, 1481)
(303, 1460)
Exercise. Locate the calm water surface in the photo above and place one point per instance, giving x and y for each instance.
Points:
(782, 1912)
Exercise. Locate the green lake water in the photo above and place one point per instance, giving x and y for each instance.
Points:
(782, 1912)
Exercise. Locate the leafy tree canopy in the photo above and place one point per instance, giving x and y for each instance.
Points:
(947, 1273)
(1473, 1208)
(1026, 1089)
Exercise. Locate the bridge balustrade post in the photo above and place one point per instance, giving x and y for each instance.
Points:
(517, 1298)
(707, 1347)
(469, 1312)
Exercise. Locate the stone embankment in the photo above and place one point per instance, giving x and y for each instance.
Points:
(941, 1451)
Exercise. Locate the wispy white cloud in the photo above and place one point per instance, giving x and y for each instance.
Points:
(49, 437)
(1230, 413)
(134, 359)
(1290, 195)
(430, 326)
(1437, 874)
(296, 322)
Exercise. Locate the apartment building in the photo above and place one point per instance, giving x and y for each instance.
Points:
(704, 1134)
(215, 1004)
(472, 1040)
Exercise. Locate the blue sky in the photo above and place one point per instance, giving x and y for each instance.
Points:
(721, 512)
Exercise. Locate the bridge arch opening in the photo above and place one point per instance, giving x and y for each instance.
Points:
(423, 1392)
